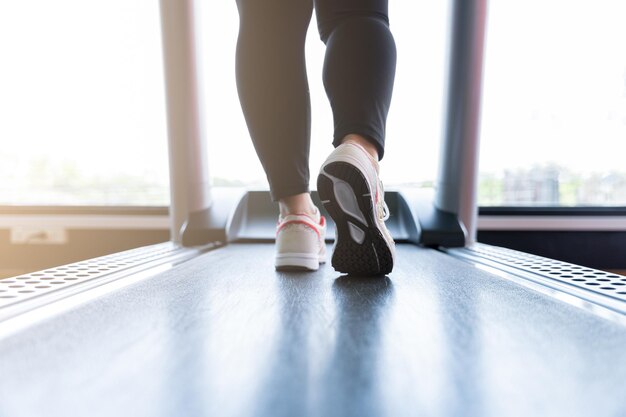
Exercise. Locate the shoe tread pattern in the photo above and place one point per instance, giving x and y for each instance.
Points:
(371, 257)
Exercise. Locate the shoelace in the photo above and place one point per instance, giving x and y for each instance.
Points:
(382, 208)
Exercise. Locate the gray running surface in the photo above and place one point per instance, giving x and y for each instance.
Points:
(226, 335)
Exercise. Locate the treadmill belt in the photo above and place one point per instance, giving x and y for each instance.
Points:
(225, 335)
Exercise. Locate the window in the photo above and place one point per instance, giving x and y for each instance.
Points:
(82, 104)
(554, 104)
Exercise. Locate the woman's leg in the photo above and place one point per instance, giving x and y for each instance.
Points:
(359, 68)
(274, 93)
(359, 71)
(274, 96)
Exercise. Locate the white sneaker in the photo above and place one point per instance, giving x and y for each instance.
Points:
(300, 242)
(352, 193)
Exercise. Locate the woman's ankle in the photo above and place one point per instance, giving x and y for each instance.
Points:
(363, 142)
(297, 204)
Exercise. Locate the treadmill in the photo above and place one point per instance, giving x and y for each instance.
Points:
(204, 326)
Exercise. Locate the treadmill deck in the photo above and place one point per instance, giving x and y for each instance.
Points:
(223, 334)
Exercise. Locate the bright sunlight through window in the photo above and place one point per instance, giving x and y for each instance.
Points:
(83, 112)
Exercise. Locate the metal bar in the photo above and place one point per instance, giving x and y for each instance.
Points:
(189, 175)
(458, 170)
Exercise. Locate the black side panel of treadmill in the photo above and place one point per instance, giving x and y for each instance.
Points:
(433, 227)
(212, 224)
(235, 215)
(252, 216)
(439, 228)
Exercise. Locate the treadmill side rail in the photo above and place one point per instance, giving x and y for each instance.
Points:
(602, 292)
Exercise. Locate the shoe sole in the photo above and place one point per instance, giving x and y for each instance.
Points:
(360, 248)
(297, 262)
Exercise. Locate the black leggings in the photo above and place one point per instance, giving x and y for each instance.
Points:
(359, 69)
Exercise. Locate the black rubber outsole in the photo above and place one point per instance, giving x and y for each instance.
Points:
(370, 257)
